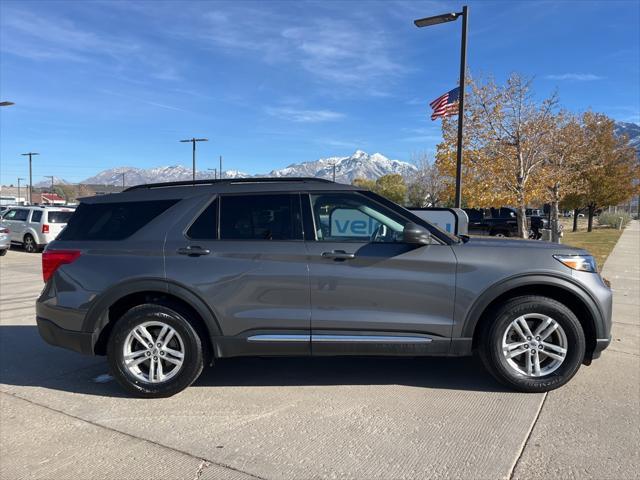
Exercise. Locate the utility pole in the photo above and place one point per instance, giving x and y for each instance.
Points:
(19, 178)
(215, 172)
(122, 180)
(220, 166)
(51, 177)
(333, 165)
(193, 142)
(30, 155)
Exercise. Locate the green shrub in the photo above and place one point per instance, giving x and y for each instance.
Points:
(612, 220)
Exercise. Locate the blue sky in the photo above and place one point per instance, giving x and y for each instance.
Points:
(102, 84)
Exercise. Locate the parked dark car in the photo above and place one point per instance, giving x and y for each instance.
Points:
(167, 278)
(495, 222)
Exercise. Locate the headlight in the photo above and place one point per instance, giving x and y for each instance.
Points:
(583, 263)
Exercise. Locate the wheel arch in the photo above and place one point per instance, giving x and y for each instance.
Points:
(560, 289)
(111, 305)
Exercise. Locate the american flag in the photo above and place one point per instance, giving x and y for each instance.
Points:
(446, 104)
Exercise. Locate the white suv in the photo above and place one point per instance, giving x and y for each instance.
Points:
(35, 226)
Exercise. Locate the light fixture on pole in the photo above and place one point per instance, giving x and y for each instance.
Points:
(6, 104)
(30, 155)
(435, 20)
(215, 172)
(193, 141)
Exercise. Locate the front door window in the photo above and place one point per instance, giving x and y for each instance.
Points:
(346, 217)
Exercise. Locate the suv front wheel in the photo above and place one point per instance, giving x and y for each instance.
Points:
(534, 344)
(154, 351)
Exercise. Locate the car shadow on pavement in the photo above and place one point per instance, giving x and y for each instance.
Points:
(26, 360)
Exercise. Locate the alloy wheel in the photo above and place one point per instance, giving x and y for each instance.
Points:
(29, 244)
(153, 352)
(534, 345)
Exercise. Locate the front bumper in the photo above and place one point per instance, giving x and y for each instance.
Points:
(54, 335)
(601, 344)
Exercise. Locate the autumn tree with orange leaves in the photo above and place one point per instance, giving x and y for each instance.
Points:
(505, 147)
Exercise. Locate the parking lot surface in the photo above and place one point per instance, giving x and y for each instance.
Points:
(62, 416)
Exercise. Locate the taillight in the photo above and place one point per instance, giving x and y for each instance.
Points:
(52, 259)
(45, 228)
(4, 230)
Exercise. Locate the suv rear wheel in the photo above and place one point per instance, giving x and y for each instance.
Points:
(29, 244)
(534, 344)
(154, 351)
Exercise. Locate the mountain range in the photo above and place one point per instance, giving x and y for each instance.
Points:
(358, 165)
(631, 131)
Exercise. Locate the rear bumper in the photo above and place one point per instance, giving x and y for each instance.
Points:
(54, 335)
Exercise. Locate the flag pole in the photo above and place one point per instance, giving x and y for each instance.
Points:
(463, 68)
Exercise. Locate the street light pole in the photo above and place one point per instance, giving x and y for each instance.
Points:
(450, 17)
(193, 142)
(19, 178)
(215, 172)
(463, 68)
(220, 166)
(30, 155)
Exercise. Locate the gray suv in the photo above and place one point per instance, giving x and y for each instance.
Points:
(166, 278)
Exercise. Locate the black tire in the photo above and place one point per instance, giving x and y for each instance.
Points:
(490, 347)
(3, 252)
(500, 233)
(29, 244)
(193, 360)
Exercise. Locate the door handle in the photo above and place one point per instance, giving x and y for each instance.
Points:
(338, 255)
(193, 251)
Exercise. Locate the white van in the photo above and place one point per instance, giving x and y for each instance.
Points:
(35, 226)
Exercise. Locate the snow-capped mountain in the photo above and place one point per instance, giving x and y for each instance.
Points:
(631, 131)
(47, 182)
(137, 176)
(358, 165)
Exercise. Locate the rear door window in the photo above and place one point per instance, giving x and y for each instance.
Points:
(261, 217)
(36, 216)
(111, 221)
(206, 225)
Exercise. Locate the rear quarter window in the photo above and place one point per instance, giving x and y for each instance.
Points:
(111, 221)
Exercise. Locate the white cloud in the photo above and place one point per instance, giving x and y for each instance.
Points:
(578, 77)
(304, 116)
(52, 37)
(333, 49)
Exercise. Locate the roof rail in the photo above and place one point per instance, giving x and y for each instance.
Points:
(227, 181)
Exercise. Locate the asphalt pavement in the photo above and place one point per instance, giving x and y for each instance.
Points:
(63, 416)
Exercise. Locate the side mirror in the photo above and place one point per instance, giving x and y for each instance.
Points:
(414, 234)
